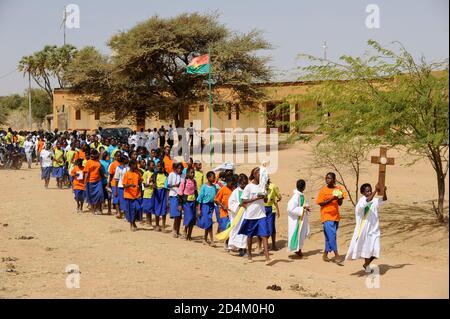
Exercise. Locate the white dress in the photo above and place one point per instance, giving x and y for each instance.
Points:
(297, 218)
(366, 237)
(263, 179)
(235, 240)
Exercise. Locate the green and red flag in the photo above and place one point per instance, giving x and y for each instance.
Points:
(199, 65)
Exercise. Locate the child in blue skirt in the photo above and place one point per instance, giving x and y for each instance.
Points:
(173, 182)
(78, 184)
(255, 222)
(118, 176)
(148, 204)
(187, 194)
(132, 192)
(159, 178)
(205, 198)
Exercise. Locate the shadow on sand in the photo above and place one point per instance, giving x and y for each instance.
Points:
(383, 268)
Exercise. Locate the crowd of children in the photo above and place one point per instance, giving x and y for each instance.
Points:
(139, 183)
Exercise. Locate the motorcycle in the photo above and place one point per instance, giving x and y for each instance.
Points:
(10, 157)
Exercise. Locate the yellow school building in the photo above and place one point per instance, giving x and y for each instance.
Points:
(67, 114)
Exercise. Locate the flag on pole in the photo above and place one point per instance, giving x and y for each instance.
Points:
(199, 65)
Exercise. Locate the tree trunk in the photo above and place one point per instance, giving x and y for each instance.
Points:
(441, 172)
(441, 196)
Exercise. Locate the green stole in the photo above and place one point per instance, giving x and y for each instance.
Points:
(366, 211)
(294, 238)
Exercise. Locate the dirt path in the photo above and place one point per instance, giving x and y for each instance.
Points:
(117, 263)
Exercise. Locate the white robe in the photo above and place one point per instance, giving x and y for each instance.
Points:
(152, 141)
(235, 240)
(368, 242)
(142, 139)
(295, 211)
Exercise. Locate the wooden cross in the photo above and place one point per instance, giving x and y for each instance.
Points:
(382, 160)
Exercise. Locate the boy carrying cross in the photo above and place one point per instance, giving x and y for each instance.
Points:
(366, 237)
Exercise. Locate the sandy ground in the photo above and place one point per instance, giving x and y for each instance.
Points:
(117, 263)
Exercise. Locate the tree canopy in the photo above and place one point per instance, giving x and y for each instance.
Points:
(41, 105)
(146, 74)
(48, 65)
(383, 97)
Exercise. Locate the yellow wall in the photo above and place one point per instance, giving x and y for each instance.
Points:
(64, 118)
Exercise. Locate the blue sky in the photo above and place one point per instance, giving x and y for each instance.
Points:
(292, 26)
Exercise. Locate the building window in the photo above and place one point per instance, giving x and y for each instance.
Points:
(77, 114)
(237, 112)
(97, 115)
(201, 108)
(229, 113)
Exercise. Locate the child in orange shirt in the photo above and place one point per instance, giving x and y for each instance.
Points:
(112, 182)
(132, 192)
(93, 180)
(221, 200)
(78, 184)
(329, 199)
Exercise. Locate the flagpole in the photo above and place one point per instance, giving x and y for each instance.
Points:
(65, 18)
(210, 106)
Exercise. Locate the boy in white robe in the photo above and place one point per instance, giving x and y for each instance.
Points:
(365, 242)
(298, 213)
(234, 204)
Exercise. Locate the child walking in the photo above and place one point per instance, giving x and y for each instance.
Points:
(160, 195)
(365, 242)
(45, 158)
(104, 165)
(187, 194)
(113, 183)
(58, 165)
(118, 176)
(205, 198)
(132, 191)
(272, 211)
(78, 184)
(255, 222)
(93, 180)
(329, 199)
(147, 199)
(221, 200)
(237, 241)
(173, 183)
(298, 215)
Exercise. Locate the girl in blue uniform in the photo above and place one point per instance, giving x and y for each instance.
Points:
(160, 195)
(205, 198)
(173, 182)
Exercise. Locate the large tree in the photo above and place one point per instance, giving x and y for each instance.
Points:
(9, 103)
(384, 97)
(48, 65)
(40, 105)
(146, 74)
